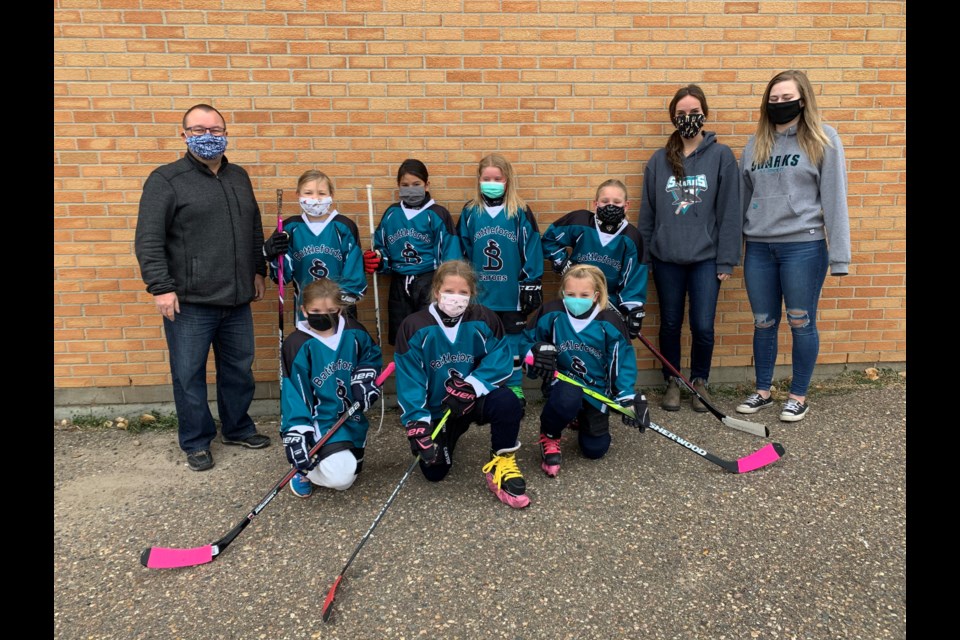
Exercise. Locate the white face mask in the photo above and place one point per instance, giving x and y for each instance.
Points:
(314, 207)
(453, 304)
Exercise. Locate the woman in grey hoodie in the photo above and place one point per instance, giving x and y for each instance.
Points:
(690, 224)
(794, 188)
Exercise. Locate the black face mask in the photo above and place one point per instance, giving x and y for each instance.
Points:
(783, 112)
(610, 217)
(323, 321)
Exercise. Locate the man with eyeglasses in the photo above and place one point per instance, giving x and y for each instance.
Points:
(199, 243)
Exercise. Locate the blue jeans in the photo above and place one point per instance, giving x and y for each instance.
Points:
(674, 282)
(790, 274)
(189, 338)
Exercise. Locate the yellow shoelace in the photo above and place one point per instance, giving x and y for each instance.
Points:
(506, 468)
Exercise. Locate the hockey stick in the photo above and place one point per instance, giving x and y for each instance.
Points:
(328, 602)
(280, 261)
(171, 558)
(760, 458)
(734, 423)
(376, 292)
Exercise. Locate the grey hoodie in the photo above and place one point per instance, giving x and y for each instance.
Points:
(787, 199)
(698, 219)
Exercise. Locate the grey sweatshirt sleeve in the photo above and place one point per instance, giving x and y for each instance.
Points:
(648, 211)
(746, 182)
(833, 199)
(157, 202)
(729, 214)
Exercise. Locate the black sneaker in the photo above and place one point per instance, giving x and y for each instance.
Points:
(754, 403)
(256, 441)
(793, 410)
(200, 460)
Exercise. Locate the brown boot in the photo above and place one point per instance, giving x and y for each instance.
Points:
(701, 388)
(671, 398)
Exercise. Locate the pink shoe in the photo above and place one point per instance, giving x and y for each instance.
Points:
(505, 480)
(550, 454)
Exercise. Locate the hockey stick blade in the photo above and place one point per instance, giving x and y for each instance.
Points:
(168, 558)
(176, 558)
(746, 426)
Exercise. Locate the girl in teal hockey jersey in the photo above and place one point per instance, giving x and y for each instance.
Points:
(500, 238)
(329, 362)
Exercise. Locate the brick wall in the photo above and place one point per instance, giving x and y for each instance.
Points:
(571, 92)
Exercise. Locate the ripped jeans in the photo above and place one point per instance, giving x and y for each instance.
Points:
(789, 274)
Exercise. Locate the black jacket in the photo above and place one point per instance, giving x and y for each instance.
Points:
(199, 233)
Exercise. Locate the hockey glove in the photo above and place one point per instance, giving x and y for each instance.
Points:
(371, 260)
(421, 444)
(363, 385)
(544, 360)
(461, 397)
(297, 442)
(530, 298)
(642, 413)
(634, 320)
(347, 299)
(276, 244)
(560, 267)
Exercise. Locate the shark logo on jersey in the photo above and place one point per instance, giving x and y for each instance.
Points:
(342, 394)
(579, 367)
(318, 269)
(410, 254)
(492, 251)
(686, 192)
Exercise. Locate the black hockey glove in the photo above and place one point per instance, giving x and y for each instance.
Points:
(560, 267)
(363, 385)
(297, 442)
(347, 299)
(461, 397)
(276, 244)
(421, 444)
(544, 360)
(634, 320)
(642, 413)
(531, 298)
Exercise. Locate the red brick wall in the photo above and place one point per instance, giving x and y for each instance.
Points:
(572, 93)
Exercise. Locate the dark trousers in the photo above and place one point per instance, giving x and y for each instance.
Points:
(229, 330)
(565, 403)
(501, 408)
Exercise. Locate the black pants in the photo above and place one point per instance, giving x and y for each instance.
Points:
(501, 408)
(408, 294)
(565, 403)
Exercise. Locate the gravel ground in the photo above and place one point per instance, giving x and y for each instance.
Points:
(652, 541)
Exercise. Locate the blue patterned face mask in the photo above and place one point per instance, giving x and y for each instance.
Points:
(577, 306)
(207, 146)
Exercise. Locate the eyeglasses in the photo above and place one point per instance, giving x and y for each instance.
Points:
(199, 131)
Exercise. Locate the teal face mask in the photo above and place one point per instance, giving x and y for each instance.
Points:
(492, 189)
(577, 306)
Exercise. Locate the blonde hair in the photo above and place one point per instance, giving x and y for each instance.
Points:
(512, 202)
(810, 135)
(322, 288)
(612, 182)
(460, 268)
(581, 271)
(313, 174)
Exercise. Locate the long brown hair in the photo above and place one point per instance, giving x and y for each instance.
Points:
(512, 202)
(810, 135)
(674, 144)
